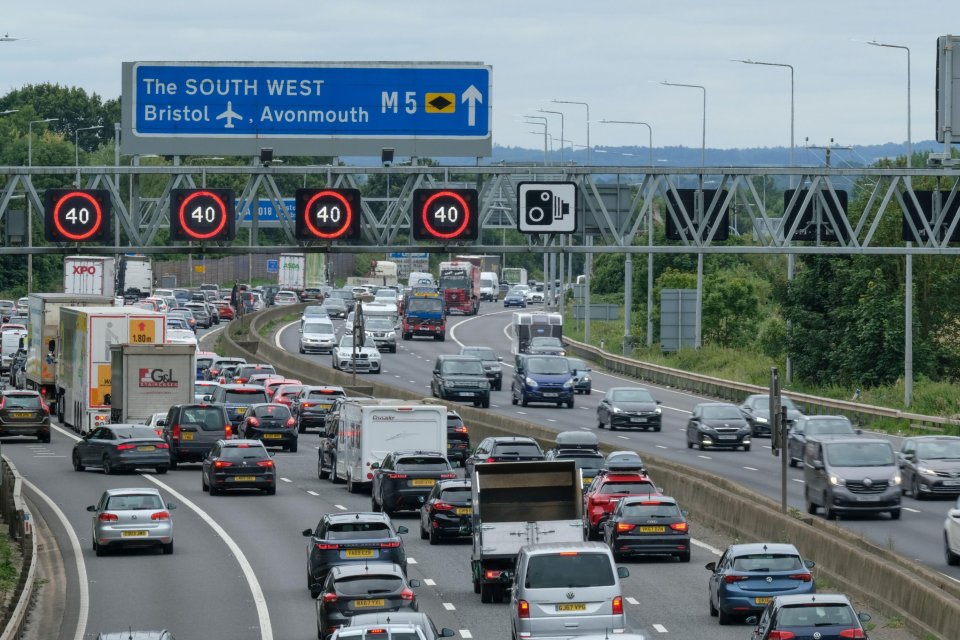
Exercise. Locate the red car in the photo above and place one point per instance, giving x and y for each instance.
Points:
(606, 490)
(225, 311)
(287, 394)
(271, 386)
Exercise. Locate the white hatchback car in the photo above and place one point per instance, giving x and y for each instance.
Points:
(951, 535)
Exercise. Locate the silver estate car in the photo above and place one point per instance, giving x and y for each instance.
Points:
(134, 517)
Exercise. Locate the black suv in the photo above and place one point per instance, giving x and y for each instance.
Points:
(237, 400)
(458, 438)
(503, 449)
(404, 479)
(312, 406)
(191, 430)
(460, 378)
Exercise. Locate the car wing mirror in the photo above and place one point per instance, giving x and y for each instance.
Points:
(307, 533)
(623, 572)
(710, 566)
(684, 513)
(658, 402)
(817, 464)
(858, 431)
(499, 358)
(751, 620)
(402, 529)
(375, 465)
(864, 616)
(171, 506)
(447, 633)
(809, 564)
(92, 508)
(413, 583)
(208, 398)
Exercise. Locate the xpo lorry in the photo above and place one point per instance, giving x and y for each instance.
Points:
(150, 378)
(89, 275)
(84, 363)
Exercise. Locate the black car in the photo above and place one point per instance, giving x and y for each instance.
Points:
(351, 538)
(238, 464)
(458, 438)
(756, 410)
(503, 449)
(717, 424)
(404, 479)
(200, 313)
(824, 616)
(237, 400)
(272, 424)
(448, 511)
(351, 590)
(651, 525)
(460, 378)
(628, 408)
(243, 374)
(191, 430)
(581, 376)
(24, 413)
(930, 465)
(334, 308)
(121, 447)
(815, 426)
(545, 346)
(313, 405)
(491, 364)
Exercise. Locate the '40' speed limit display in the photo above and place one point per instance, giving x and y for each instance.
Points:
(445, 214)
(74, 215)
(328, 214)
(202, 215)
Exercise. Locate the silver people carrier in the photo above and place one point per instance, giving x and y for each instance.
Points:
(566, 589)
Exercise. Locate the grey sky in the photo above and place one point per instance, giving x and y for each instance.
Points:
(609, 54)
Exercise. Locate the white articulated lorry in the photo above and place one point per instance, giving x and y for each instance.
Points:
(149, 379)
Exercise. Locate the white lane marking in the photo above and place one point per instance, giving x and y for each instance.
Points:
(632, 600)
(623, 437)
(704, 545)
(586, 429)
(800, 480)
(585, 408)
(429, 582)
(286, 479)
(313, 493)
(341, 507)
(659, 446)
(453, 328)
(411, 561)
(449, 606)
(766, 446)
(259, 600)
(522, 413)
(751, 469)
(705, 457)
(276, 337)
(465, 633)
(911, 510)
(550, 420)
(84, 595)
(495, 406)
(660, 628)
(951, 577)
(395, 376)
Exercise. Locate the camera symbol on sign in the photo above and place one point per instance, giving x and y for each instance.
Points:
(544, 207)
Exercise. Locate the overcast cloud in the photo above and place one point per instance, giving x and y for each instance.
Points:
(609, 54)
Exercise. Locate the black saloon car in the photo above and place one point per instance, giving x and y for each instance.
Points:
(448, 511)
(404, 479)
(121, 447)
(756, 410)
(351, 538)
(24, 413)
(313, 405)
(717, 424)
(458, 438)
(351, 590)
(238, 464)
(272, 424)
(503, 449)
(652, 525)
(628, 408)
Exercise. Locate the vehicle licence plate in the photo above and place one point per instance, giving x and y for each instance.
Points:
(468, 394)
(550, 395)
(245, 478)
(186, 435)
(765, 600)
(464, 511)
(573, 606)
(148, 447)
(133, 534)
(325, 407)
(726, 437)
(358, 604)
(359, 553)
(638, 419)
(423, 482)
(273, 436)
(23, 415)
(652, 529)
(241, 410)
(951, 483)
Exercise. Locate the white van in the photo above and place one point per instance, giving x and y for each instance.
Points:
(9, 345)
(369, 431)
(489, 286)
(420, 279)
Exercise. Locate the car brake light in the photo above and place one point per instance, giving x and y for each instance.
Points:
(162, 445)
(853, 633)
(406, 594)
(220, 464)
(254, 422)
(160, 515)
(329, 597)
(679, 526)
(447, 476)
(490, 460)
(803, 577)
(523, 609)
(618, 606)
(107, 517)
(227, 431)
(491, 574)
(265, 463)
(376, 632)
(623, 527)
(397, 476)
(442, 506)
(390, 545)
(307, 405)
(781, 635)
(176, 432)
(460, 430)
(568, 553)
(327, 547)
(733, 579)
(126, 447)
(291, 422)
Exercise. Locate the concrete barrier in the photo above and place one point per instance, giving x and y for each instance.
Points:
(20, 529)
(892, 584)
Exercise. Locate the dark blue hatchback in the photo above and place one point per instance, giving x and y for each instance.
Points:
(810, 617)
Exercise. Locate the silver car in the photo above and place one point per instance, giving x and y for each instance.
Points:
(134, 517)
(566, 589)
(317, 335)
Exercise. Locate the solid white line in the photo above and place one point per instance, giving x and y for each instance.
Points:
(550, 420)
(800, 480)
(623, 437)
(84, 595)
(523, 413)
(286, 479)
(705, 457)
(912, 510)
(751, 469)
(263, 614)
(660, 628)
(341, 507)
(276, 337)
(951, 577)
(429, 582)
(632, 600)
(411, 561)
(465, 633)
(449, 606)
(495, 406)
(704, 545)
(659, 446)
(313, 493)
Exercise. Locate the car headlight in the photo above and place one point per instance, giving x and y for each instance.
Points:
(585, 379)
(761, 420)
(659, 411)
(484, 384)
(837, 481)
(925, 471)
(617, 410)
(563, 353)
(447, 383)
(531, 382)
(568, 384)
(897, 479)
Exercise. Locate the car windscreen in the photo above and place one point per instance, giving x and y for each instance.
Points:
(422, 463)
(455, 495)
(859, 454)
(244, 452)
(424, 304)
(545, 341)
(134, 433)
(721, 412)
(358, 530)
(569, 570)
(628, 487)
(652, 510)
(134, 502)
(367, 585)
(815, 615)
(207, 418)
(818, 427)
(583, 460)
(483, 353)
(324, 328)
(548, 366)
(631, 395)
(378, 324)
(275, 411)
(463, 368)
(939, 450)
(576, 364)
(519, 449)
(318, 394)
(20, 401)
(248, 371)
(244, 396)
(767, 562)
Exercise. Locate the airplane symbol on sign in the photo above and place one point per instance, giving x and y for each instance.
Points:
(229, 115)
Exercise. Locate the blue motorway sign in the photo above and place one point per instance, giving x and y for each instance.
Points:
(273, 266)
(267, 215)
(338, 109)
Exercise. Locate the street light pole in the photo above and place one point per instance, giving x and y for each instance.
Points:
(546, 130)
(908, 276)
(559, 113)
(76, 147)
(30, 200)
(589, 161)
(649, 132)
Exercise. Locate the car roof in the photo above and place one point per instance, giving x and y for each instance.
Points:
(242, 443)
(416, 452)
(459, 483)
(846, 439)
(401, 617)
(357, 569)
(642, 499)
(457, 356)
(129, 490)
(232, 387)
(357, 516)
(550, 548)
(935, 438)
(762, 547)
(321, 387)
(623, 476)
(133, 635)
(716, 404)
(20, 392)
(509, 439)
(823, 598)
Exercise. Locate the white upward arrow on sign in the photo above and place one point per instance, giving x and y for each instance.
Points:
(471, 96)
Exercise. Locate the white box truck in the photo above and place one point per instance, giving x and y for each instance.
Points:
(84, 363)
(369, 431)
(292, 271)
(89, 275)
(149, 379)
(136, 276)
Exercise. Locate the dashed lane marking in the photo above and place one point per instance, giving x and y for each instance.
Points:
(705, 457)
(911, 510)
(797, 480)
(623, 437)
(449, 606)
(660, 628)
(751, 469)
(704, 545)
(313, 493)
(286, 479)
(429, 582)
(632, 600)
(465, 633)
(411, 561)
(660, 446)
(341, 507)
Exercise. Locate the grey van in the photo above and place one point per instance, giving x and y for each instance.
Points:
(851, 475)
(566, 589)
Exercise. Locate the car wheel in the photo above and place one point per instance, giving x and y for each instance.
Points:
(498, 387)
(570, 403)
(423, 532)
(107, 466)
(684, 556)
(486, 593)
(612, 426)
(589, 391)
(323, 475)
(713, 609)
(76, 462)
(746, 447)
(486, 403)
(373, 505)
(701, 446)
(829, 513)
(293, 447)
(351, 487)
(168, 548)
(173, 461)
(214, 491)
(523, 399)
(99, 549)
(44, 437)
(270, 491)
(599, 423)
(724, 618)
(811, 507)
(953, 559)
(434, 538)
(792, 461)
(513, 397)
(161, 470)
(894, 514)
(915, 489)
(203, 483)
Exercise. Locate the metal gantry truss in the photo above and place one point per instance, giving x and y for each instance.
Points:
(738, 191)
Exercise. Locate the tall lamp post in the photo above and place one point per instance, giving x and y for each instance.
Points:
(30, 201)
(76, 147)
(558, 113)
(908, 284)
(546, 132)
(703, 154)
(584, 104)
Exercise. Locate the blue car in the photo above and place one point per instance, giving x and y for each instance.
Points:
(748, 576)
(826, 616)
(542, 379)
(514, 299)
